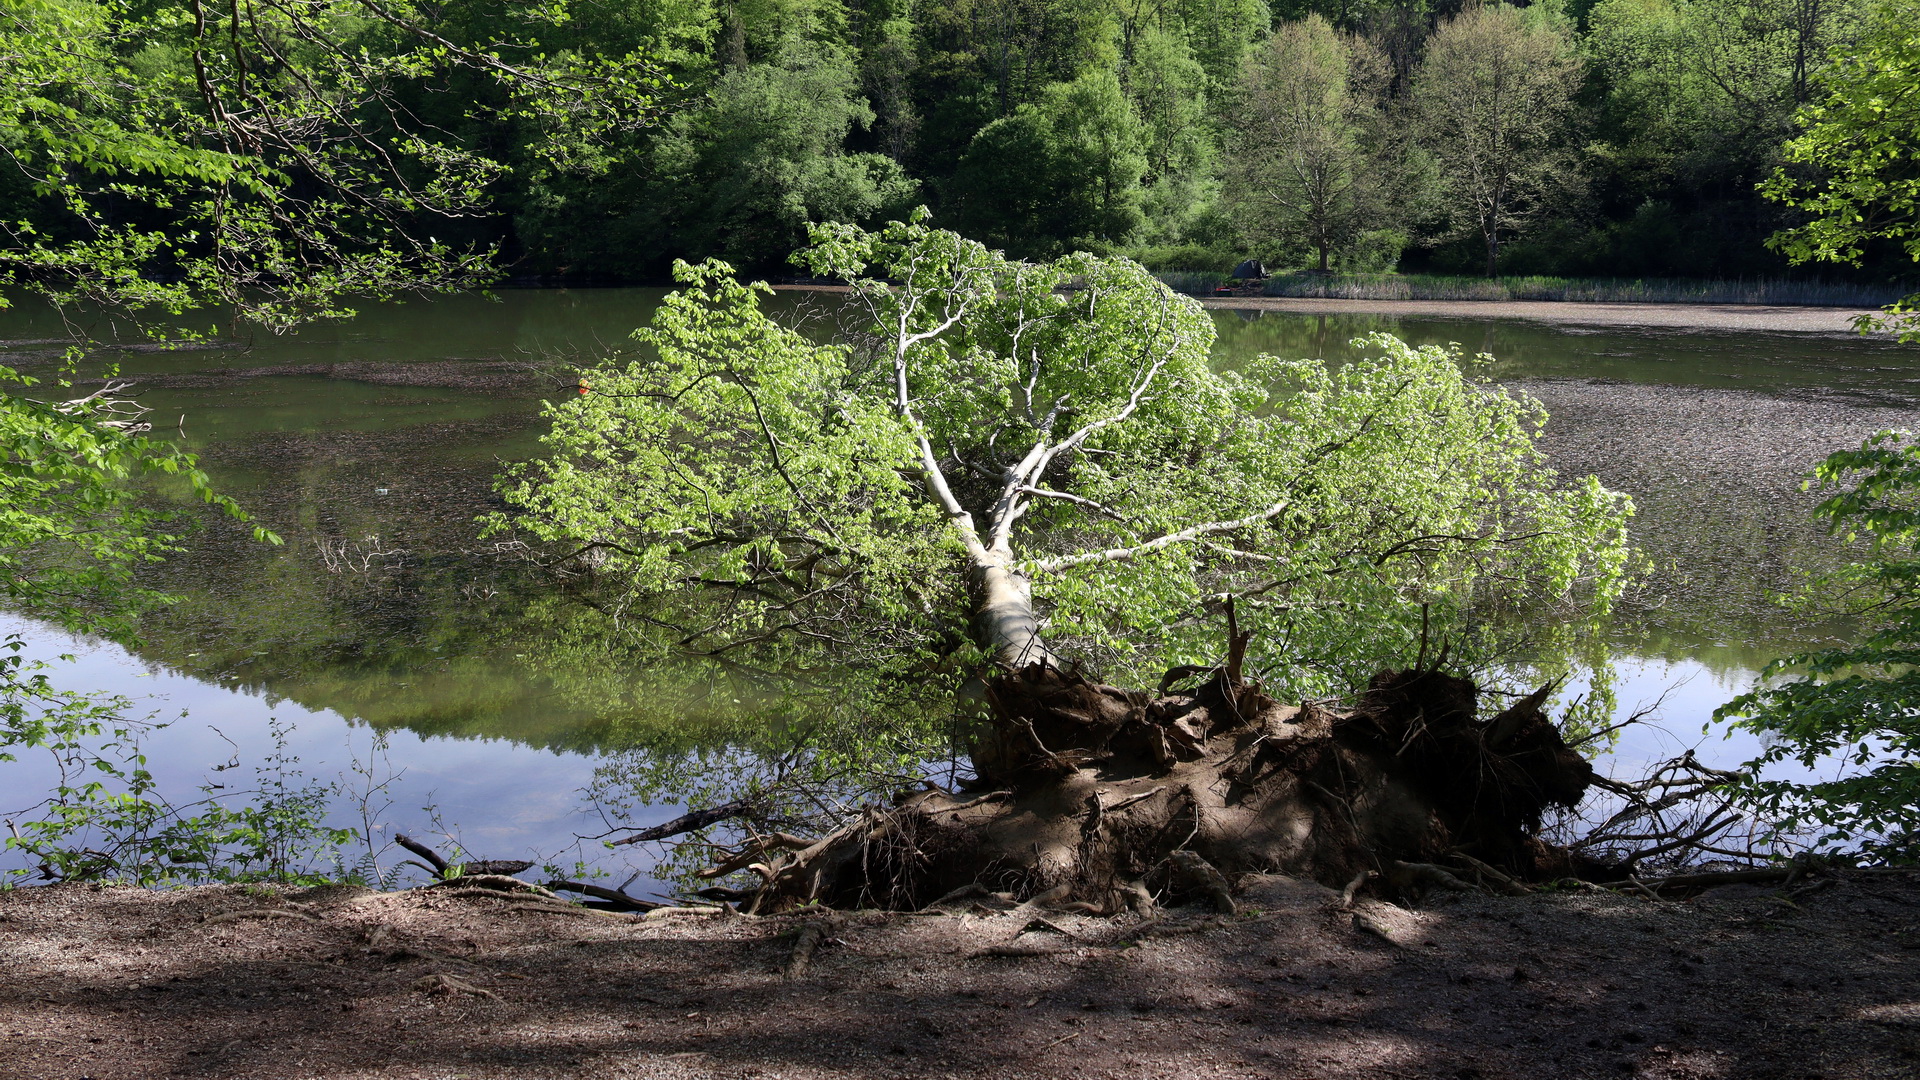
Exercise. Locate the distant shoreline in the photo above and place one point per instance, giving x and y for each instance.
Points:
(1776, 318)
(1765, 318)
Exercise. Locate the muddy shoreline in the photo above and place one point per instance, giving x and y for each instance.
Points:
(1741, 984)
(1773, 318)
(1764, 318)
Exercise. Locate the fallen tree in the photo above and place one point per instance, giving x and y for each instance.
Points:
(1097, 798)
(1007, 475)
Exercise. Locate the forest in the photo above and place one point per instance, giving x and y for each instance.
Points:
(1595, 137)
(1622, 138)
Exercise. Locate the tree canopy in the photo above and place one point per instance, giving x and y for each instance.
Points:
(1306, 154)
(1860, 144)
(1493, 95)
(285, 154)
(1005, 447)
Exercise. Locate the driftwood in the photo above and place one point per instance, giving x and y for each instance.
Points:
(613, 898)
(806, 943)
(439, 866)
(493, 883)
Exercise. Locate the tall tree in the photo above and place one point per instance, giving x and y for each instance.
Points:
(1493, 105)
(1064, 170)
(1301, 167)
(743, 175)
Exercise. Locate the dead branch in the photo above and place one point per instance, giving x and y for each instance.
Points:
(1502, 882)
(1428, 873)
(422, 850)
(1676, 813)
(122, 414)
(1353, 887)
(691, 822)
(752, 852)
(492, 883)
(617, 898)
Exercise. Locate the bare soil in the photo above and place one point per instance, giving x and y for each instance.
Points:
(1738, 983)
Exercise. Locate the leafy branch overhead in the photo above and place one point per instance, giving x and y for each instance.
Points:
(275, 157)
(1856, 182)
(1852, 711)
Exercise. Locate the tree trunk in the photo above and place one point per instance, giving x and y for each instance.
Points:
(1004, 619)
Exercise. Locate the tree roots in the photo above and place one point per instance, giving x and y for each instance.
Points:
(1099, 799)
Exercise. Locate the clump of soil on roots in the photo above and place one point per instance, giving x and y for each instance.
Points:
(1099, 798)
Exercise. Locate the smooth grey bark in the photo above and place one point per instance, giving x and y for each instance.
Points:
(1004, 619)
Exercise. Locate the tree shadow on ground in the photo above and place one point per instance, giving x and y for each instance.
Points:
(125, 983)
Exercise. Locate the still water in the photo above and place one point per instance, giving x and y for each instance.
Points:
(370, 446)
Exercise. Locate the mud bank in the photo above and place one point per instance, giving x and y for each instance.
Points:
(1760, 317)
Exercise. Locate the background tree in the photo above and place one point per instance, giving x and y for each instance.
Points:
(1063, 171)
(1860, 144)
(744, 174)
(1303, 168)
(1493, 102)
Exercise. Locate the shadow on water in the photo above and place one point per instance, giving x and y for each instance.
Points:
(371, 445)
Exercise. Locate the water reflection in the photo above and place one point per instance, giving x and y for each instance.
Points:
(371, 445)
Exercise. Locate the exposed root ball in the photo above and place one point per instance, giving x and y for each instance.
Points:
(1091, 795)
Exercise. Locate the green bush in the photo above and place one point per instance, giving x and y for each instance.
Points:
(1194, 258)
(1851, 712)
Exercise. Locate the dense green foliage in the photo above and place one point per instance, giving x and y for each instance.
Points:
(274, 158)
(1853, 710)
(1308, 143)
(1862, 142)
(280, 154)
(755, 494)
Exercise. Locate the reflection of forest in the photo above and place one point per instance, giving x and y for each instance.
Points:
(428, 628)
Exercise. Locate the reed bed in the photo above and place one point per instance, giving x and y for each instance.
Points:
(1582, 290)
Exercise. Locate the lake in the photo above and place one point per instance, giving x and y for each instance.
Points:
(370, 446)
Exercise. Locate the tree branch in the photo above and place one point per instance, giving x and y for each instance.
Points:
(1159, 543)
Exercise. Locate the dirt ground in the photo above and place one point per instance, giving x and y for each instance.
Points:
(1741, 983)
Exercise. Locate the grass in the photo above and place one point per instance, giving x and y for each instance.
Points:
(1578, 290)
